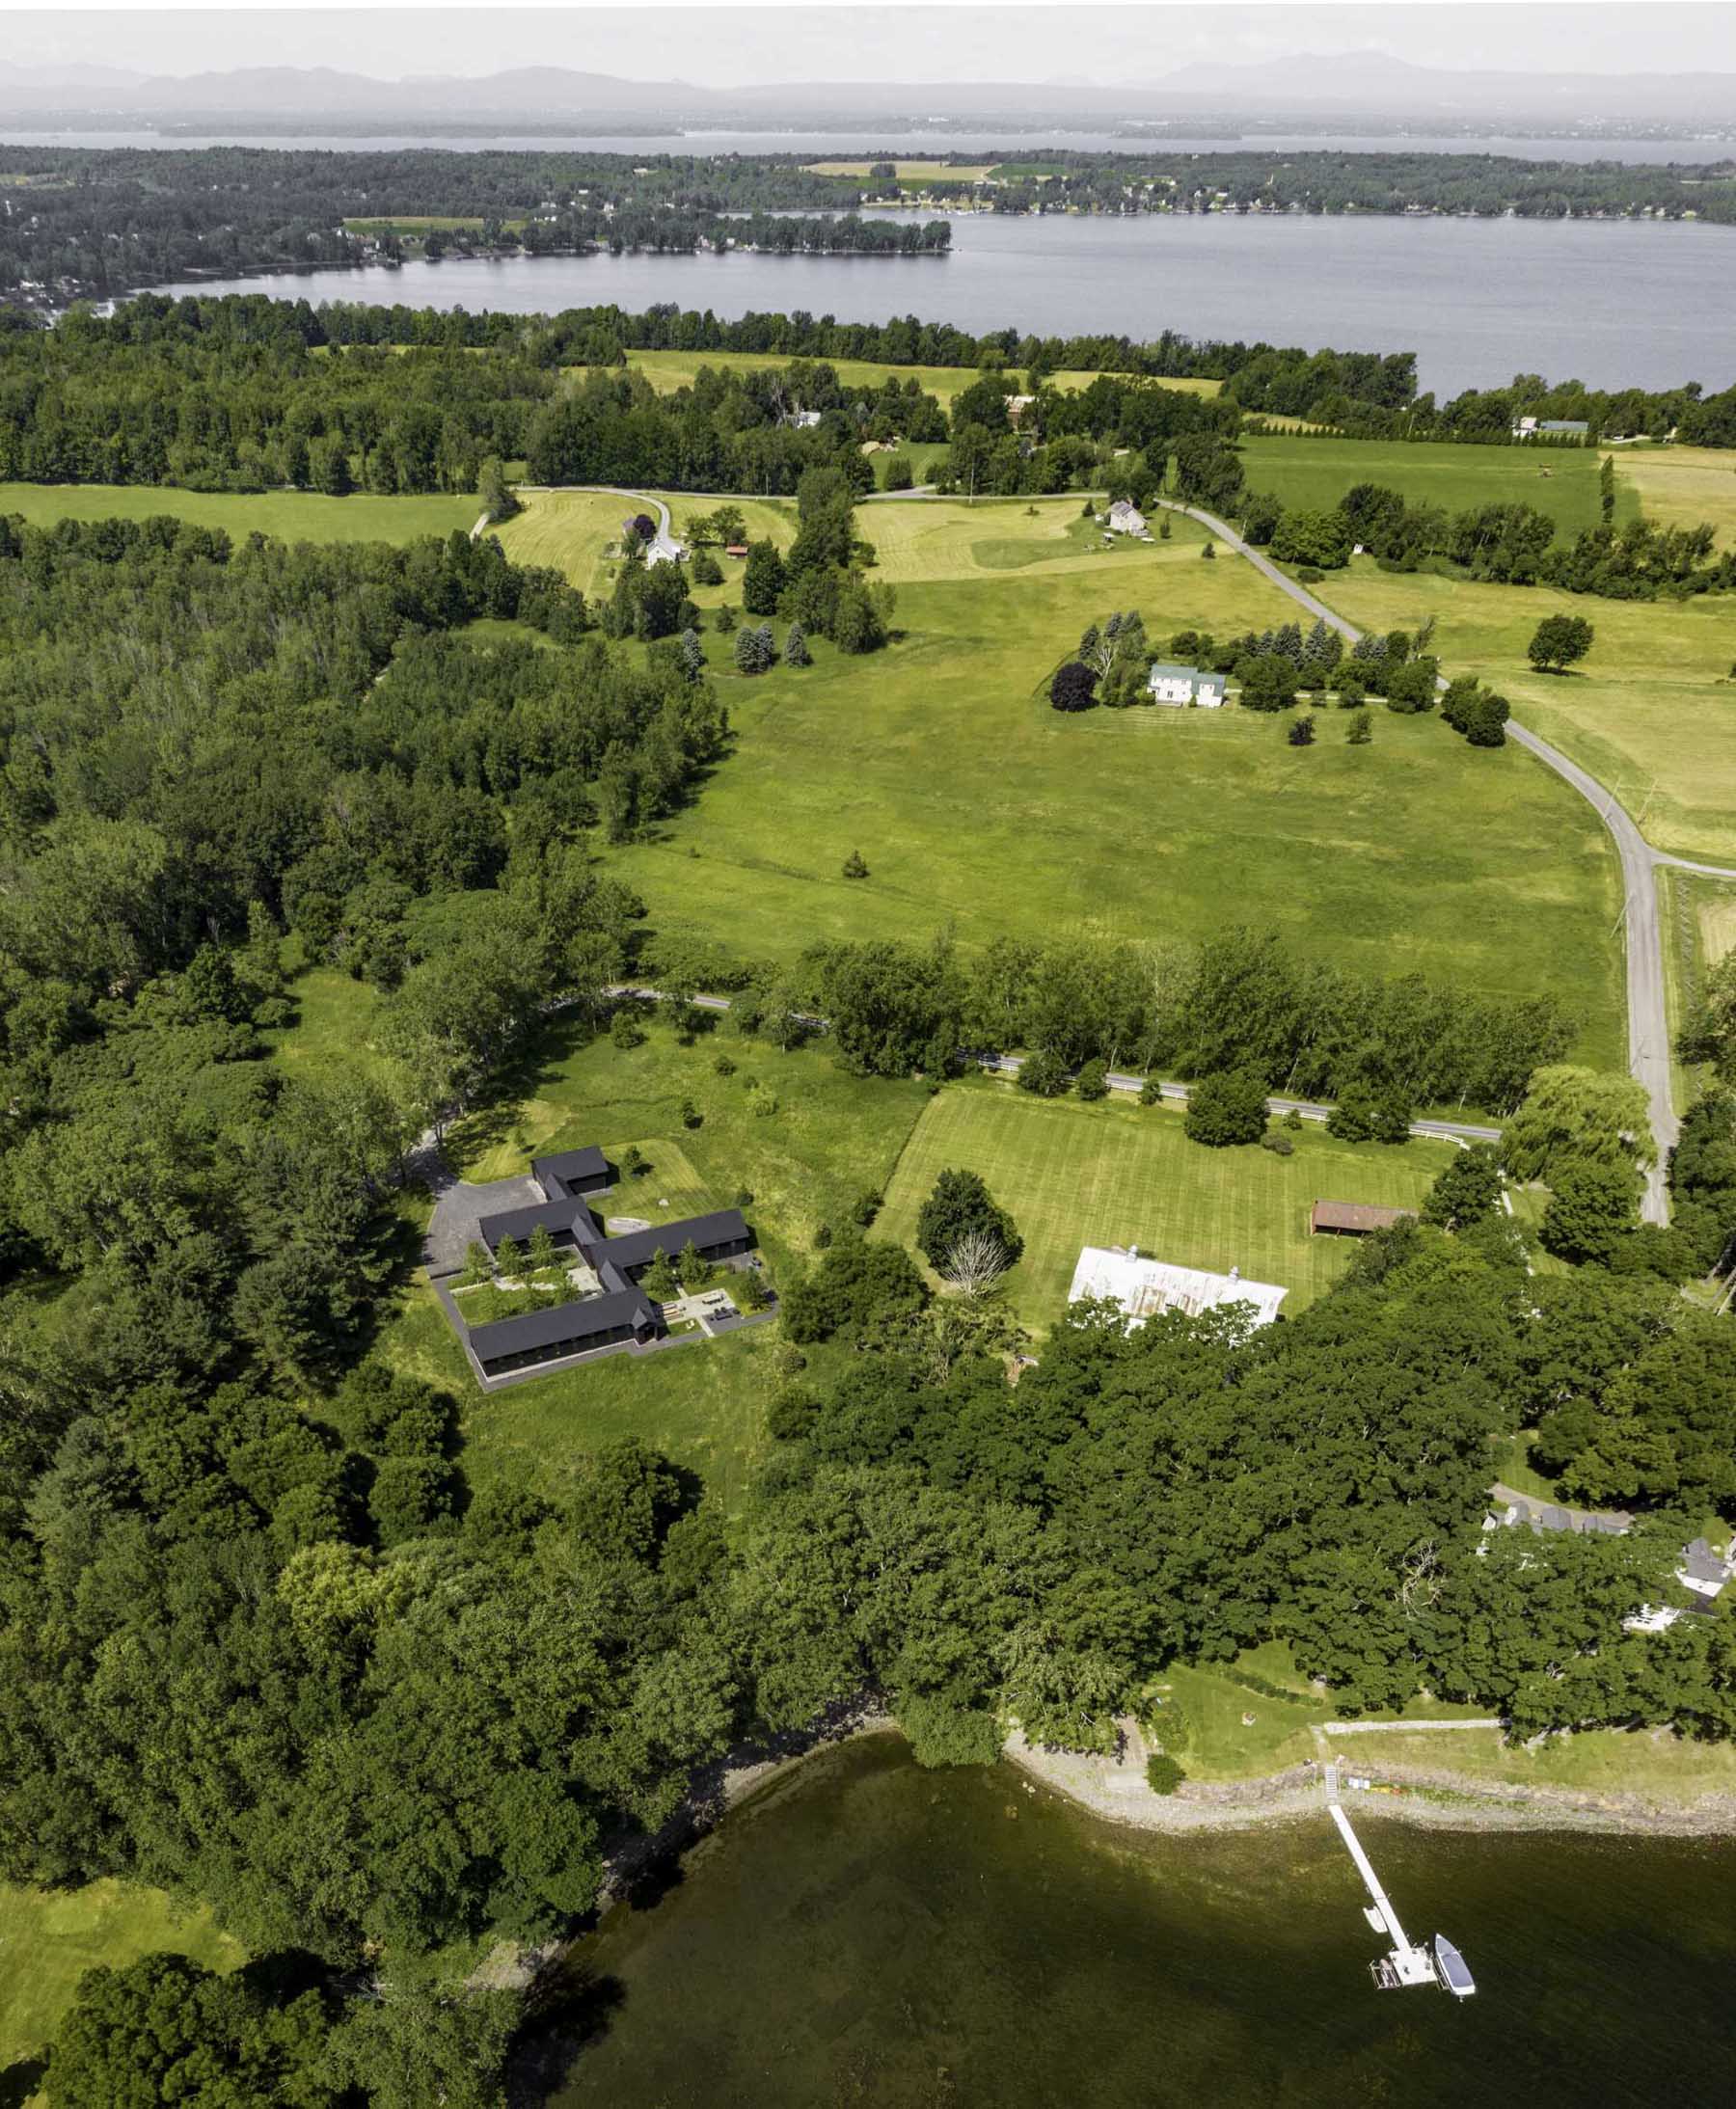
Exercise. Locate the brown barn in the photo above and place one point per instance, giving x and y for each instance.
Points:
(1353, 1218)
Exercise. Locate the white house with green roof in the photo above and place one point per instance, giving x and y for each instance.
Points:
(1181, 686)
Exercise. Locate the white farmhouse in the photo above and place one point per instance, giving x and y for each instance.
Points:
(1145, 1288)
(1180, 685)
(1127, 518)
(804, 421)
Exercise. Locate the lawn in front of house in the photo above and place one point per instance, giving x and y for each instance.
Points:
(978, 808)
(48, 1938)
(1652, 1763)
(1117, 1173)
(292, 516)
(579, 532)
(1650, 711)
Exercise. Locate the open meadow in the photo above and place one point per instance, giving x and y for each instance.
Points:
(575, 532)
(50, 1938)
(1117, 1173)
(670, 371)
(292, 516)
(1560, 481)
(1681, 486)
(1651, 711)
(979, 808)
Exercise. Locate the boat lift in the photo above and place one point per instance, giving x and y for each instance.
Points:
(1404, 1963)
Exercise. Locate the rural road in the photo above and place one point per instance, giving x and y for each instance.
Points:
(1648, 1022)
(1448, 1131)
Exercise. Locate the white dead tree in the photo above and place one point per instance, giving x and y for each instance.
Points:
(974, 1263)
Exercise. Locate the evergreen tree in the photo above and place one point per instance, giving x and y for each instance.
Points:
(795, 650)
(693, 655)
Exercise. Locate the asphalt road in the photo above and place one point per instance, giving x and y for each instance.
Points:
(1648, 1024)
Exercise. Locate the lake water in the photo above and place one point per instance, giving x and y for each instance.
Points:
(1613, 304)
(869, 1933)
(838, 145)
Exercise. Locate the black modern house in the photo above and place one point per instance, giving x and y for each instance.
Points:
(621, 1311)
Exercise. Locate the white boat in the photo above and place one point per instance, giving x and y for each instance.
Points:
(1451, 1969)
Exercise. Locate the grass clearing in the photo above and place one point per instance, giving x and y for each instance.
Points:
(574, 531)
(1114, 1172)
(1651, 1763)
(914, 169)
(1652, 712)
(670, 371)
(1395, 856)
(830, 1139)
(1560, 481)
(292, 516)
(48, 1938)
(1681, 486)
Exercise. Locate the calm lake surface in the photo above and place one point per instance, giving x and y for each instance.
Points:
(840, 145)
(1613, 304)
(866, 1931)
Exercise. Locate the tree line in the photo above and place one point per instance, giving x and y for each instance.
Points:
(1237, 1001)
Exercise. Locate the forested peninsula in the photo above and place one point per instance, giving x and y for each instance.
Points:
(93, 222)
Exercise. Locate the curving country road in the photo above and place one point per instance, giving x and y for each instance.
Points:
(1648, 1024)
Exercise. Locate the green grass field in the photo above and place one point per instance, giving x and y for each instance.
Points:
(830, 1138)
(977, 806)
(1120, 1173)
(50, 1938)
(1651, 1763)
(572, 531)
(293, 516)
(1681, 486)
(670, 371)
(1560, 481)
(1651, 711)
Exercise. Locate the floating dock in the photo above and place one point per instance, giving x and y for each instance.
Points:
(1404, 1963)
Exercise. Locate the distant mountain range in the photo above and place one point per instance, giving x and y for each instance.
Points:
(1367, 88)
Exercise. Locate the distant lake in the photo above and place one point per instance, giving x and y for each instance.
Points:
(841, 146)
(1611, 303)
(869, 1933)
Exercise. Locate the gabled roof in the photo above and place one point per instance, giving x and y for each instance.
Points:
(1356, 1215)
(576, 1170)
(573, 1321)
(552, 1216)
(637, 1247)
(1167, 670)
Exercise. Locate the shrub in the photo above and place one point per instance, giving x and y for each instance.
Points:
(1359, 728)
(706, 569)
(854, 867)
(625, 1029)
(725, 619)
(1044, 1074)
(1163, 1776)
(634, 1163)
(791, 1414)
(1301, 732)
(743, 1198)
(1093, 1080)
(724, 1066)
(691, 1116)
(1072, 686)
(1151, 1091)
(899, 474)
(866, 1207)
(958, 1205)
(1278, 1143)
(1228, 1108)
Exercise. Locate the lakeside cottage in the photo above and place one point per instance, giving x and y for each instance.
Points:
(1180, 685)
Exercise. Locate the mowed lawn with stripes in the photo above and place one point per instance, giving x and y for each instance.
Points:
(1120, 1173)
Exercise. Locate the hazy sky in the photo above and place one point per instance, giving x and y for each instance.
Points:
(725, 45)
